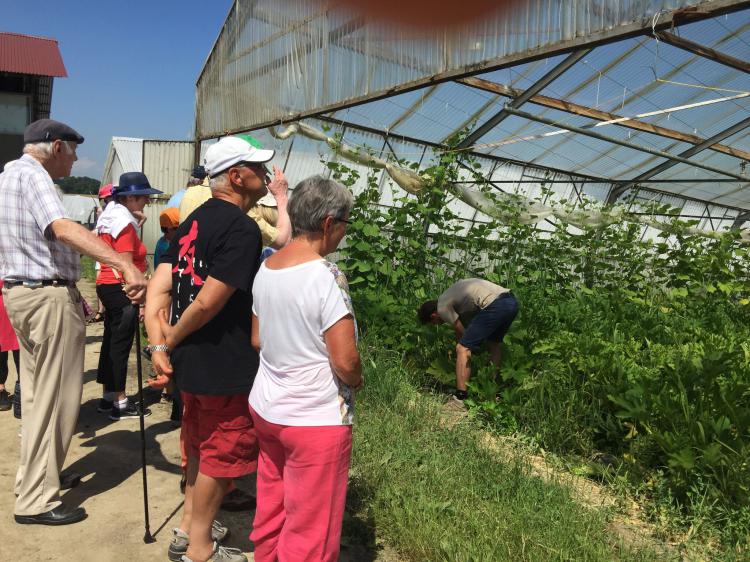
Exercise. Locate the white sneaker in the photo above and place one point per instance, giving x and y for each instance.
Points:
(222, 554)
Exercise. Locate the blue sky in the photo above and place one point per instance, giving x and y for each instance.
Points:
(131, 65)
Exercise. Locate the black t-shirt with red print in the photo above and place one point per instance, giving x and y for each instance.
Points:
(220, 241)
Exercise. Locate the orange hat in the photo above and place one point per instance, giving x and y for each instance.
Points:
(169, 218)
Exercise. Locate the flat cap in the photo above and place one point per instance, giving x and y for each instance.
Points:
(48, 130)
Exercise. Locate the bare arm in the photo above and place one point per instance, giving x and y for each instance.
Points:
(278, 188)
(74, 235)
(210, 300)
(158, 297)
(140, 217)
(342, 351)
(255, 334)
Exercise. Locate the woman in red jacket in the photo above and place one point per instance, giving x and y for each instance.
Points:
(117, 227)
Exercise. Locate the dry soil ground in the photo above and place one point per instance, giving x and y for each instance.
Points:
(107, 455)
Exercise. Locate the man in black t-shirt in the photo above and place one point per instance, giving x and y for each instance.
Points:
(206, 278)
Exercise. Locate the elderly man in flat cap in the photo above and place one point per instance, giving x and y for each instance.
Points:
(40, 263)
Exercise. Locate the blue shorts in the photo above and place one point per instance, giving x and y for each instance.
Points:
(492, 322)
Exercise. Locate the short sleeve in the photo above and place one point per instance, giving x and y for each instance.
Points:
(161, 246)
(268, 232)
(43, 201)
(127, 240)
(335, 300)
(194, 197)
(236, 257)
(446, 311)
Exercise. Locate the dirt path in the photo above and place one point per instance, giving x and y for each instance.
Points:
(107, 455)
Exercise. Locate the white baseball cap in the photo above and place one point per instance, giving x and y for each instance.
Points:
(233, 150)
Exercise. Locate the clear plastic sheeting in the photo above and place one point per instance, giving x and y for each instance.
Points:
(557, 102)
(277, 58)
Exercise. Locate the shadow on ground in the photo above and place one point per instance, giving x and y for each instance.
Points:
(106, 466)
(358, 540)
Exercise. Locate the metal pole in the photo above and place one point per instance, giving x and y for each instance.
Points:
(147, 537)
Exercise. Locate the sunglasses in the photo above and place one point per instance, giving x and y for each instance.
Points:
(256, 167)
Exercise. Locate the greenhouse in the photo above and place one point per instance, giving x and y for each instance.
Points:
(590, 155)
(595, 100)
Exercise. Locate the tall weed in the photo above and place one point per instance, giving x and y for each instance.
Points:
(633, 349)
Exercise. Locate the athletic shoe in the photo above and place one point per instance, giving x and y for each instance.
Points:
(104, 406)
(5, 403)
(223, 554)
(180, 540)
(130, 411)
(459, 396)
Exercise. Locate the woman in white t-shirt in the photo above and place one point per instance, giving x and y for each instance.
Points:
(302, 401)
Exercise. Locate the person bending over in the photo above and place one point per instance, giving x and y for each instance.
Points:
(479, 311)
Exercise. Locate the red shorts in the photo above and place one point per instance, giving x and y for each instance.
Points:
(220, 434)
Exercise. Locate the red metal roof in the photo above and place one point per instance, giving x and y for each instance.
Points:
(26, 54)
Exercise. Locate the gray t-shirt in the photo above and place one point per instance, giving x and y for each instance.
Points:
(463, 300)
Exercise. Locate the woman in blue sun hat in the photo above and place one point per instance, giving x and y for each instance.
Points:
(117, 227)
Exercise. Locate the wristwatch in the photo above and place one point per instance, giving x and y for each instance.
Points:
(157, 347)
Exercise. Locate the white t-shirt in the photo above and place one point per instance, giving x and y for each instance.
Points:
(295, 384)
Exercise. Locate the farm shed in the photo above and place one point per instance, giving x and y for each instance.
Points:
(167, 165)
(28, 68)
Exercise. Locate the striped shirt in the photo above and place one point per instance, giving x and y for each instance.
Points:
(29, 203)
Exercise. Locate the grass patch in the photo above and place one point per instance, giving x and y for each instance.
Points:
(88, 270)
(434, 493)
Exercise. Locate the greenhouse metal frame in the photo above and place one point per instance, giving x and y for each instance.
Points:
(647, 100)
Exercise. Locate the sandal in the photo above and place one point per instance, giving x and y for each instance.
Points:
(98, 317)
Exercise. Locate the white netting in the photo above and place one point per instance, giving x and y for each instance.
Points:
(501, 206)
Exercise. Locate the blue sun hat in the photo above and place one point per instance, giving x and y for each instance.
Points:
(134, 183)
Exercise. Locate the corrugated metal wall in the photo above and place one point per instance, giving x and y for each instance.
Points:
(167, 165)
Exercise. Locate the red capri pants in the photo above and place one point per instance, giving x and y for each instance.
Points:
(302, 478)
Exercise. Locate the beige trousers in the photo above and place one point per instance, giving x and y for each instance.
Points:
(51, 333)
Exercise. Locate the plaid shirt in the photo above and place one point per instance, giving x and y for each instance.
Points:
(29, 203)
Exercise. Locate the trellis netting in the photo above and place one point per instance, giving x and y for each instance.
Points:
(496, 204)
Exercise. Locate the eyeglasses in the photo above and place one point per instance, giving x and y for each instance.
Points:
(256, 167)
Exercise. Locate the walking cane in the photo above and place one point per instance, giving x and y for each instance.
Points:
(147, 538)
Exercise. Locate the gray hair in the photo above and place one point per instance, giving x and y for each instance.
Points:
(44, 149)
(222, 180)
(314, 199)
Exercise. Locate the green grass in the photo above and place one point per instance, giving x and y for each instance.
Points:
(434, 493)
(88, 271)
